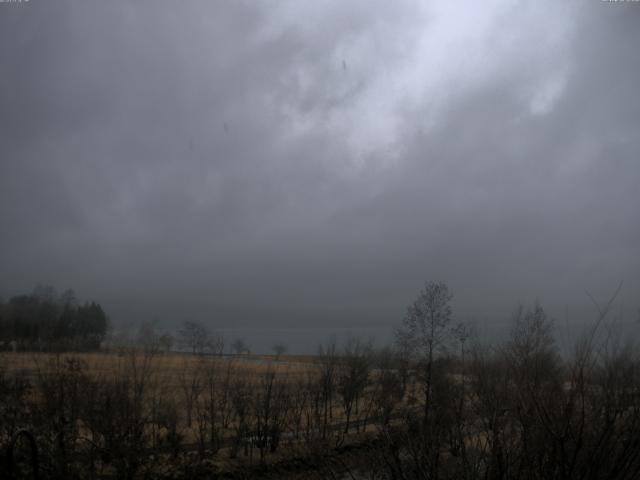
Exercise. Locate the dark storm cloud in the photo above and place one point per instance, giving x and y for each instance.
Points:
(301, 164)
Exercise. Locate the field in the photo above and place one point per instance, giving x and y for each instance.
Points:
(168, 366)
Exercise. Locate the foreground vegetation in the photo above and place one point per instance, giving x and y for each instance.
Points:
(436, 406)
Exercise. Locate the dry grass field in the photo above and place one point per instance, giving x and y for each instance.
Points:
(169, 366)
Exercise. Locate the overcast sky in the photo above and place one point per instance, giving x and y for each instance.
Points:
(305, 164)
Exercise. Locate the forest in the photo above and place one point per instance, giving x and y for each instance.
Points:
(46, 321)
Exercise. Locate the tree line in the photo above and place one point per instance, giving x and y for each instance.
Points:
(45, 320)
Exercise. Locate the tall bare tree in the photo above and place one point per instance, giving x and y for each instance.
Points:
(425, 331)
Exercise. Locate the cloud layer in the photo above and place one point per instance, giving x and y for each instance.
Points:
(310, 163)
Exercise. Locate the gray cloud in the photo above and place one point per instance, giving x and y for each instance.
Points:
(292, 164)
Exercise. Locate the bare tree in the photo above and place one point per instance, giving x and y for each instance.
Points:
(148, 337)
(388, 388)
(240, 347)
(299, 404)
(279, 349)
(270, 408)
(353, 376)
(328, 362)
(195, 336)
(191, 384)
(166, 341)
(240, 398)
(425, 331)
(216, 344)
